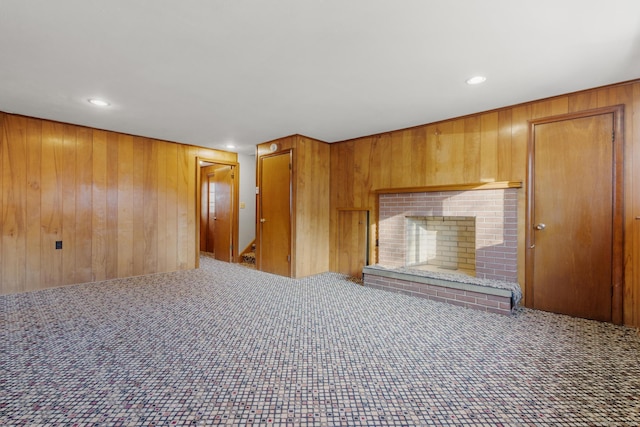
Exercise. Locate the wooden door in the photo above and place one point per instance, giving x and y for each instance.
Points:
(222, 213)
(574, 216)
(274, 226)
(210, 227)
(353, 245)
(217, 211)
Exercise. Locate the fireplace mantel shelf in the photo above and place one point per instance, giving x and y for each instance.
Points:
(452, 187)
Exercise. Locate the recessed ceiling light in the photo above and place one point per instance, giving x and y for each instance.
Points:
(476, 80)
(230, 146)
(98, 102)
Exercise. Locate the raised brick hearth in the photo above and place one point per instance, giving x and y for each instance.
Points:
(477, 296)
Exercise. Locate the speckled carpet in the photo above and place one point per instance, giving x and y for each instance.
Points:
(227, 345)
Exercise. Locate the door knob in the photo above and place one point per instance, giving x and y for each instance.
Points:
(263, 220)
(540, 226)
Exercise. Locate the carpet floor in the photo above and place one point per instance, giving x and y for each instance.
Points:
(227, 345)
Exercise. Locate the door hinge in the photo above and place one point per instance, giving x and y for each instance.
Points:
(288, 258)
(613, 136)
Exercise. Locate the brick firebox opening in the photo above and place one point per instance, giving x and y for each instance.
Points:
(446, 243)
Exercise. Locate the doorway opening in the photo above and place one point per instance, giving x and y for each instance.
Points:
(218, 209)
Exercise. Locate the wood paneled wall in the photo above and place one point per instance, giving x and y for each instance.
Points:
(122, 205)
(490, 146)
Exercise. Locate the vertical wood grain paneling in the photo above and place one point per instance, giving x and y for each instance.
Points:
(418, 140)
(311, 213)
(99, 206)
(449, 142)
(125, 205)
(111, 232)
(139, 219)
(192, 209)
(69, 175)
(472, 148)
(504, 145)
(150, 213)
(14, 179)
(362, 173)
(401, 154)
(84, 204)
(183, 212)
(489, 147)
(171, 225)
(582, 101)
(345, 162)
(161, 219)
(91, 190)
(34, 166)
(51, 203)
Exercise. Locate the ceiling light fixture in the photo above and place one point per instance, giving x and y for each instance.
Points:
(230, 146)
(98, 102)
(476, 80)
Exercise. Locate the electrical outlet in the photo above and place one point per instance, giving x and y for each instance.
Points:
(58, 244)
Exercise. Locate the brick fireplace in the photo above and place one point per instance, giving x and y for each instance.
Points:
(495, 214)
(456, 245)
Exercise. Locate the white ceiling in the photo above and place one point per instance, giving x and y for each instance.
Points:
(209, 72)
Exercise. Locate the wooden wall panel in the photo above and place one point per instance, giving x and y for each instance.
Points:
(14, 176)
(99, 222)
(171, 228)
(84, 204)
(69, 174)
(161, 219)
(183, 211)
(121, 205)
(150, 208)
(126, 201)
(34, 167)
(192, 209)
(140, 146)
(112, 206)
(51, 204)
(311, 195)
(482, 147)
(489, 147)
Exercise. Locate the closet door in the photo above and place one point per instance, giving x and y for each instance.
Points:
(274, 226)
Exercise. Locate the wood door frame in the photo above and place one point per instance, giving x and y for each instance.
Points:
(617, 260)
(235, 205)
(288, 151)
